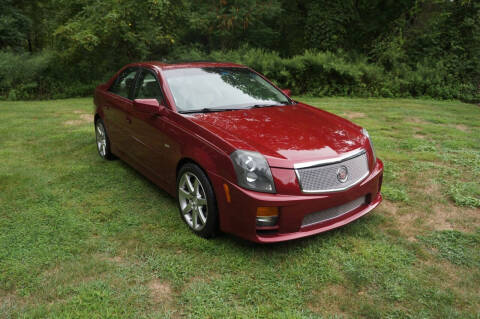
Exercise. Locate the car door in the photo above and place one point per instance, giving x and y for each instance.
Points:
(118, 102)
(153, 144)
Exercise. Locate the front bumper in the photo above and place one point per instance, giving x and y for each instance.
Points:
(239, 216)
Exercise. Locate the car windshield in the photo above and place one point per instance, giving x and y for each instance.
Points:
(215, 88)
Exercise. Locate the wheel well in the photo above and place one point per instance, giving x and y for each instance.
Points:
(187, 160)
(184, 161)
(96, 118)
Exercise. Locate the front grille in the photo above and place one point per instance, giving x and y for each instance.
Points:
(322, 178)
(332, 212)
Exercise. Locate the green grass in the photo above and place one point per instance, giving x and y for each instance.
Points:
(85, 238)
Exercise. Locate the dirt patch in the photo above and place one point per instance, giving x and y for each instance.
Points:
(413, 119)
(461, 127)
(450, 217)
(443, 215)
(68, 273)
(13, 301)
(83, 118)
(10, 301)
(403, 220)
(449, 276)
(160, 292)
(411, 222)
(326, 300)
(115, 259)
(199, 280)
(433, 189)
(418, 136)
(52, 272)
(405, 224)
(439, 220)
(112, 259)
(389, 207)
(354, 115)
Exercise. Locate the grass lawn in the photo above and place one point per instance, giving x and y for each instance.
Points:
(85, 238)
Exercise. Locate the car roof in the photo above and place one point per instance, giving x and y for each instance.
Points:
(188, 64)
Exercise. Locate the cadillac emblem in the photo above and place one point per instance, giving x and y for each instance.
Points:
(342, 174)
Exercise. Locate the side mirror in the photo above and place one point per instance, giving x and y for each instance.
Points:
(149, 106)
(287, 92)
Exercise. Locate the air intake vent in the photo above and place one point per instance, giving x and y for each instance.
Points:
(333, 175)
(332, 212)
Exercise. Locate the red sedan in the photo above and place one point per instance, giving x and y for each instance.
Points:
(237, 152)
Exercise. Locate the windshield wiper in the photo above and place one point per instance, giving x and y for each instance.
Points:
(208, 110)
(213, 109)
(257, 106)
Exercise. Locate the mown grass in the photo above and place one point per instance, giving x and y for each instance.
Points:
(85, 238)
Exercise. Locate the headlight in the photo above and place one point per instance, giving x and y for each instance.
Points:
(365, 132)
(253, 171)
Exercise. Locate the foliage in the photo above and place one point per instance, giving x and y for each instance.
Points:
(21, 74)
(14, 26)
(358, 48)
(113, 33)
(329, 24)
(223, 24)
(320, 73)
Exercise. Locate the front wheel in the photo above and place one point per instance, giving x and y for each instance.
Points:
(196, 201)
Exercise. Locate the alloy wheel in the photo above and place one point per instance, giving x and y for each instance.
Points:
(101, 138)
(193, 201)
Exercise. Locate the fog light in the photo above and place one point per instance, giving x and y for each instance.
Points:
(267, 216)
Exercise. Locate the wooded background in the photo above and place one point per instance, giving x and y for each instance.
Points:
(64, 48)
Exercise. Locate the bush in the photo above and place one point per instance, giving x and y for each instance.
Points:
(44, 75)
(326, 74)
(20, 74)
(314, 73)
(27, 76)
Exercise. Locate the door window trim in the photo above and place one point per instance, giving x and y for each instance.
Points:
(132, 90)
(137, 87)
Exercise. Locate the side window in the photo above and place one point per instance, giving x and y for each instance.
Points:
(148, 87)
(124, 83)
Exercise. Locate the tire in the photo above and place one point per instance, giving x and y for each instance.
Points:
(196, 201)
(103, 141)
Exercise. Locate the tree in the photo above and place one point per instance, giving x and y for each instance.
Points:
(351, 25)
(447, 31)
(222, 24)
(14, 26)
(115, 32)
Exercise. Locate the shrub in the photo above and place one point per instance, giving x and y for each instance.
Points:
(20, 74)
(315, 73)
(325, 74)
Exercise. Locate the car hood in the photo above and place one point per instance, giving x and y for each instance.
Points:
(285, 135)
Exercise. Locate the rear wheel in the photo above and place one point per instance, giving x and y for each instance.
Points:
(196, 201)
(103, 142)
